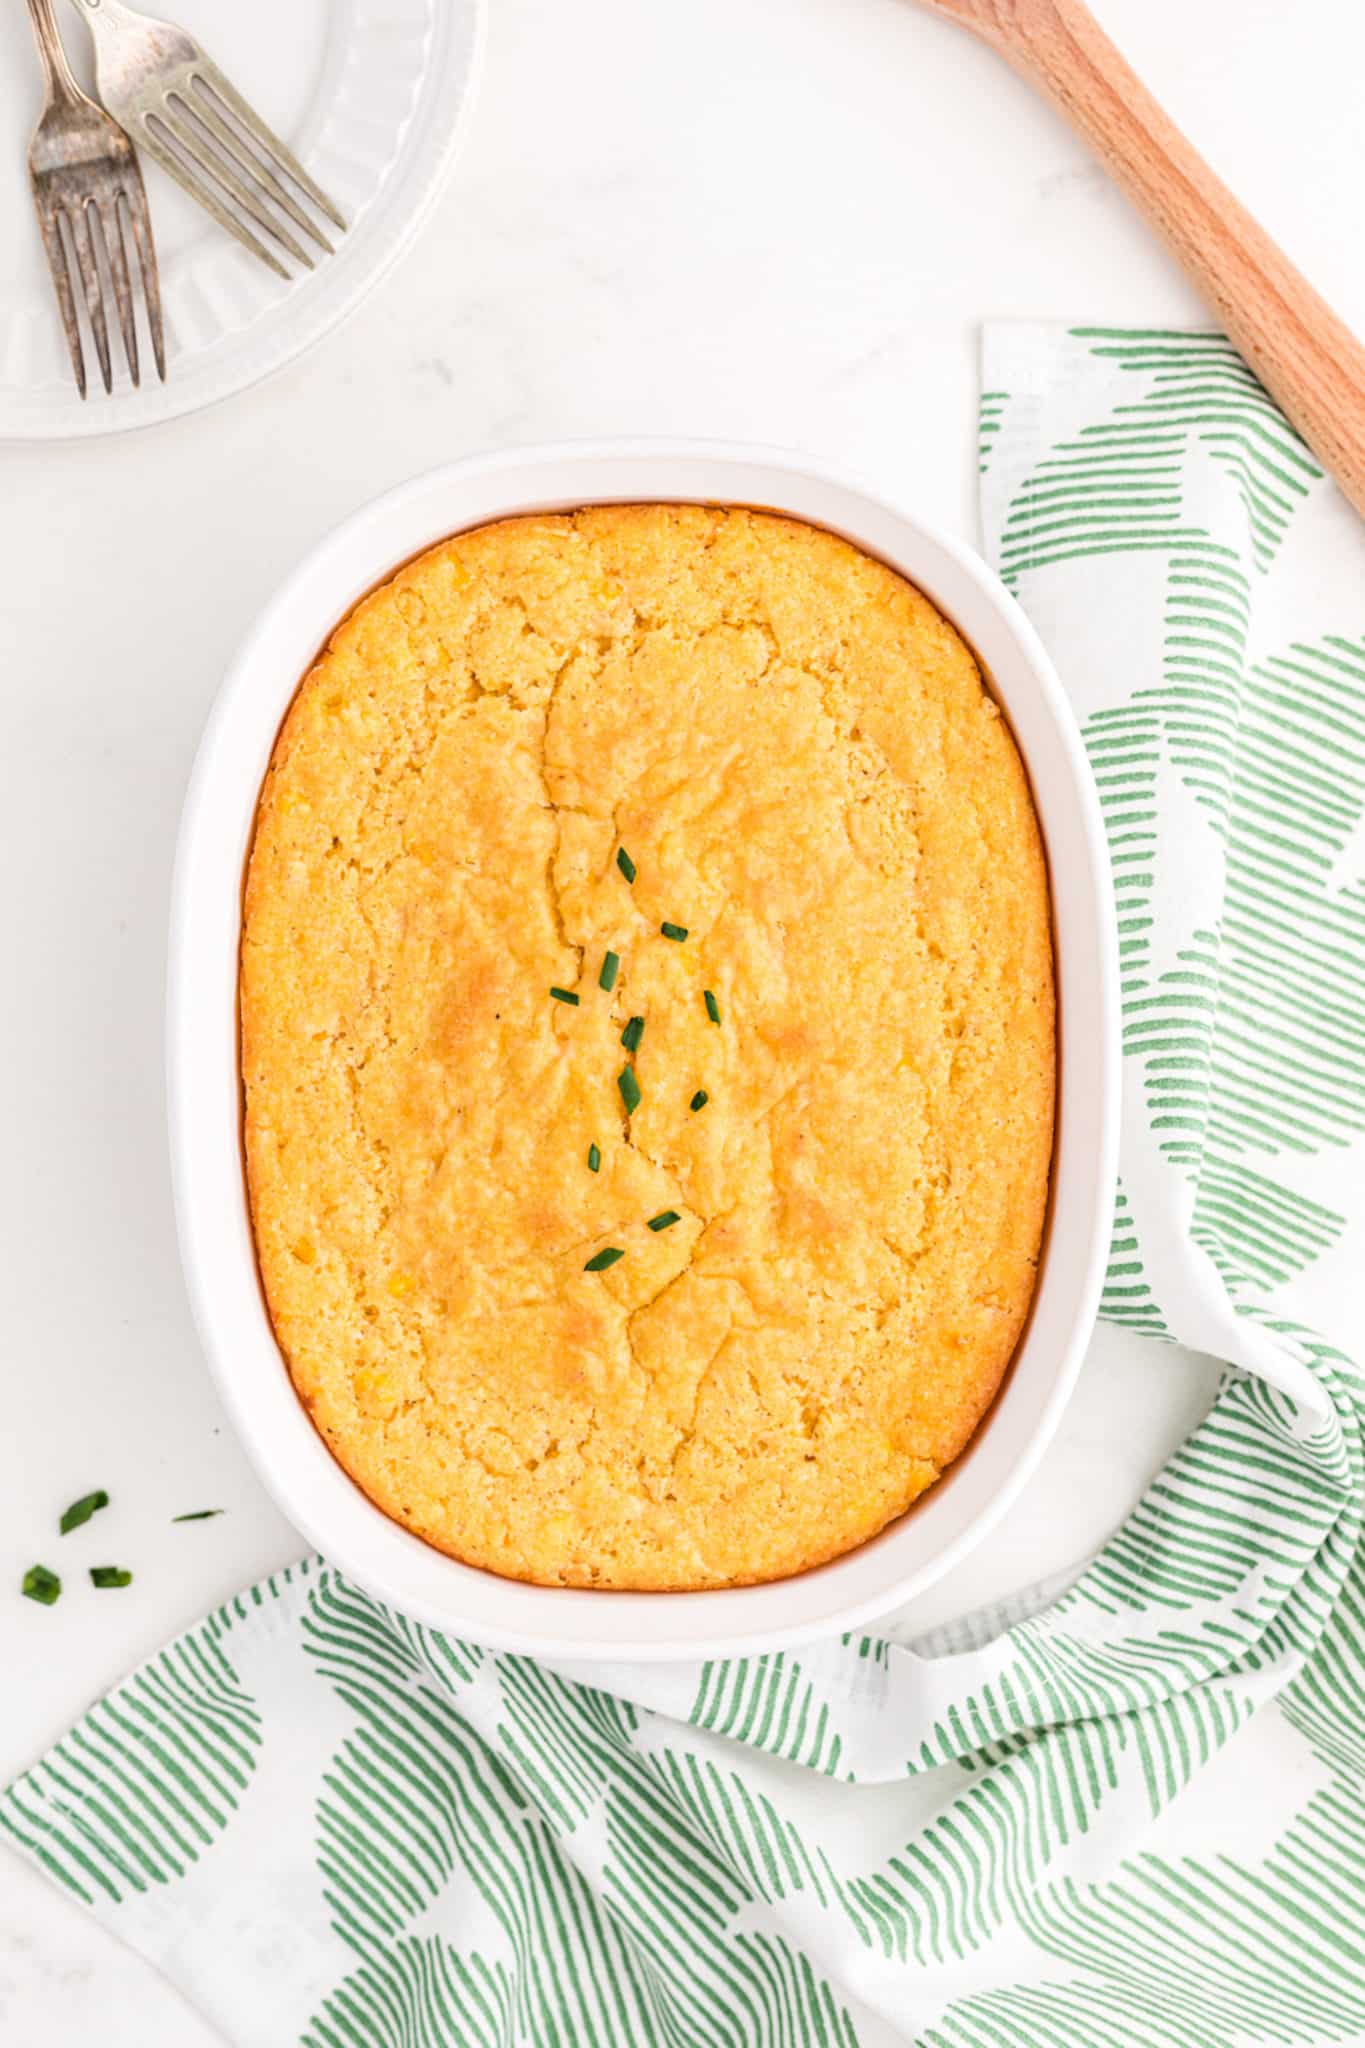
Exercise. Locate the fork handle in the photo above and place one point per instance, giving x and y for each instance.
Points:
(61, 80)
(1305, 356)
(106, 14)
(109, 20)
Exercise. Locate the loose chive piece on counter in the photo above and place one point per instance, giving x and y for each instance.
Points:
(109, 1575)
(42, 1585)
(625, 863)
(611, 967)
(674, 931)
(565, 995)
(699, 1100)
(594, 1159)
(81, 1510)
(599, 1261)
(665, 1220)
(198, 1515)
(630, 1089)
(712, 1007)
(633, 1033)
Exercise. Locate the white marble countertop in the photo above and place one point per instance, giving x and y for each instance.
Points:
(780, 221)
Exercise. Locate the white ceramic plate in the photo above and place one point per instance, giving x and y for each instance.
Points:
(215, 1232)
(369, 93)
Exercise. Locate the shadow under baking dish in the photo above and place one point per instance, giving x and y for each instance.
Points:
(217, 1244)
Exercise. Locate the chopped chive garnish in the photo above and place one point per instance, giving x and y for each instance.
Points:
(199, 1515)
(42, 1585)
(630, 1089)
(699, 1100)
(599, 1261)
(633, 1033)
(594, 1159)
(109, 1575)
(665, 1220)
(565, 995)
(712, 1007)
(611, 966)
(625, 863)
(674, 931)
(81, 1510)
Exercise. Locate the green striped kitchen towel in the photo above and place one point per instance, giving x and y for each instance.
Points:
(1137, 1817)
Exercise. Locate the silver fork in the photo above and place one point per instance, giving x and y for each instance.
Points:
(86, 185)
(177, 105)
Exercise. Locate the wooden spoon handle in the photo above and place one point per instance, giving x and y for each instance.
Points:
(1305, 356)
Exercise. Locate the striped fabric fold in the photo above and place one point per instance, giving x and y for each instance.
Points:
(1136, 1817)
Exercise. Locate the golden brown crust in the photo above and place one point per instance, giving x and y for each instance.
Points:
(796, 749)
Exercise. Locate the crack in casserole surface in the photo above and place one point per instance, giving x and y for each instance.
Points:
(797, 751)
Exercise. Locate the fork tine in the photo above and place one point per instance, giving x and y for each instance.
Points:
(49, 220)
(111, 227)
(135, 199)
(211, 162)
(202, 194)
(229, 140)
(194, 137)
(206, 72)
(92, 288)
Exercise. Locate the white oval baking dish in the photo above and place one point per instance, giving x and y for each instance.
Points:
(205, 1108)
